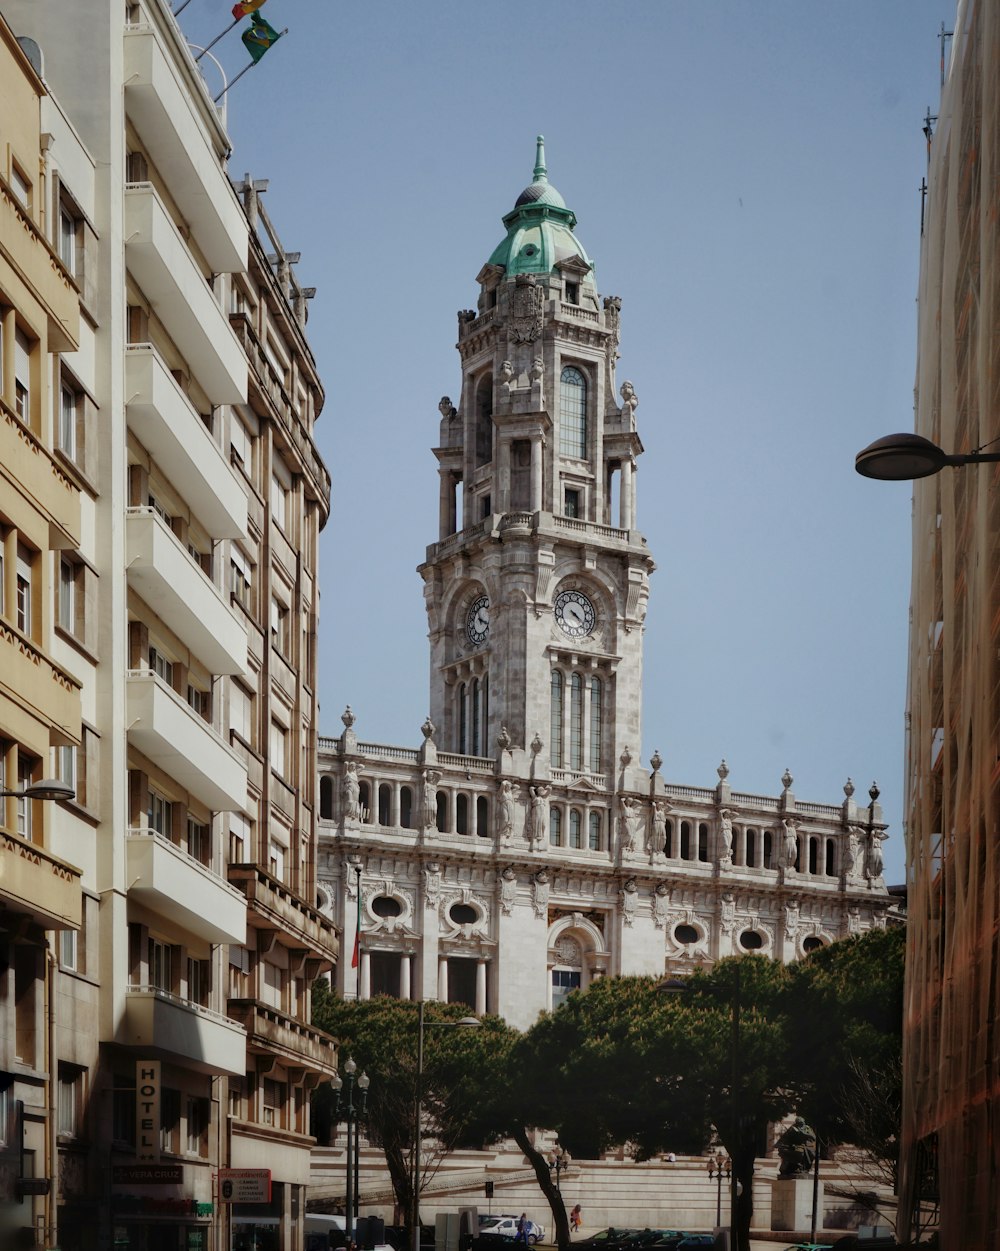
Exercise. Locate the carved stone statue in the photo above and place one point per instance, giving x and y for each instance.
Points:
(875, 865)
(855, 852)
(797, 1149)
(506, 379)
(726, 836)
(661, 904)
(659, 822)
(508, 889)
(537, 369)
(540, 892)
(431, 779)
(789, 846)
(539, 822)
(446, 408)
(351, 790)
(629, 894)
(505, 812)
(630, 402)
(628, 823)
(432, 883)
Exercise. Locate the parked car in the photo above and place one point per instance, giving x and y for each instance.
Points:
(614, 1239)
(696, 1240)
(809, 1246)
(506, 1227)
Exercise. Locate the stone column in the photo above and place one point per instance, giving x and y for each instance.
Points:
(443, 979)
(405, 962)
(480, 987)
(365, 981)
(503, 478)
(536, 473)
(625, 497)
(446, 504)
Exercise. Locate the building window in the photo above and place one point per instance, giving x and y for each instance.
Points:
(556, 720)
(555, 827)
(273, 1107)
(199, 701)
(279, 625)
(564, 982)
(476, 715)
(25, 806)
(279, 742)
(572, 413)
(572, 293)
(383, 804)
(279, 501)
(25, 563)
(276, 859)
(21, 187)
(69, 951)
(197, 981)
(482, 817)
(241, 446)
(199, 841)
(462, 814)
(571, 508)
(596, 723)
(484, 420)
(240, 578)
(198, 1117)
(576, 722)
(67, 594)
(159, 815)
(406, 808)
(161, 666)
(594, 832)
(22, 376)
(575, 839)
(241, 713)
(170, 1120)
(64, 764)
(160, 960)
(67, 239)
(69, 412)
(271, 983)
(384, 969)
(69, 1100)
(463, 719)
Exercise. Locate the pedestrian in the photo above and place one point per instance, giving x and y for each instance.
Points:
(522, 1229)
(576, 1219)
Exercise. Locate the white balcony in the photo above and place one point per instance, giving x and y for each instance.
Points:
(179, 593)
(165, 879)
(164, 1026)
(172, 432)
(174, 737)
(160, 108)
(158, 258)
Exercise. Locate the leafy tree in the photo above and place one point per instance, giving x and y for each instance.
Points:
(462, 1068)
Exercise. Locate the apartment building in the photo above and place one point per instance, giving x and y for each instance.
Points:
(180, 592)
(950, 1151)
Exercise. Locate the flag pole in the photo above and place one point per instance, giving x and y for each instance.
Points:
(235, 22)
(181, 7)
(216, 99)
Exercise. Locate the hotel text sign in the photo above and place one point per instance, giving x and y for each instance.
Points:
(147, 1111)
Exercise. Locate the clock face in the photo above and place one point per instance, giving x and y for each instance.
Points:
(477, 623)
(575, 614)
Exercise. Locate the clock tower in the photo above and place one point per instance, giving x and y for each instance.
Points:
(536, 589)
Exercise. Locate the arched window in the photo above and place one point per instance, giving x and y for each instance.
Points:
(685, 840)
(441, 812)
(463, 727)
(326, 797)
(703, 842)
(669, 848)
(831, 863)
(813, 855)
(406, 808)
(751, 845)
(482, 817)
(766, 858)
(462, 814)
(556, 720)
(576, 722)
(555, 827)
(575, 839)
(484, 420)
(596, 724)
(594, 833)
(383, 804)
(365, 799)
(572, 413)
(476, 712)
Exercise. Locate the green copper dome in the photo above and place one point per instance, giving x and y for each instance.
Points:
(539, 227)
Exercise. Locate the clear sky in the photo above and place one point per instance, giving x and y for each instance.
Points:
(746, 177)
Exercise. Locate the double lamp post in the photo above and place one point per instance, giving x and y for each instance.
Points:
(350, 1111)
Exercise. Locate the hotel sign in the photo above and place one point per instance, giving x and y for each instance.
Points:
(147, 1111)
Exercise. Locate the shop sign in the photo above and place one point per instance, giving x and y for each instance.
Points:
(147, 1174)
(147, 1110)
(245, 1185)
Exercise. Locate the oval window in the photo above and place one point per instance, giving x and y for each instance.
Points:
(750, 940)
(463, 914)
(812, 943)
(686, 934)
(385, 906)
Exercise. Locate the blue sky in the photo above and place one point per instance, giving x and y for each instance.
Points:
(746, 177)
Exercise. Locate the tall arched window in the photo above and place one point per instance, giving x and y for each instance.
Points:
(383, 804)
(326, 797)
(476, 711)
(596, 724)
(463, 724)
(555, 827)
(572, 413)
(406, 808)
(484, 420)
(576, 722)
(462, 814)
(556, 720)
(594, 833)
(482, 817)
(575, 839)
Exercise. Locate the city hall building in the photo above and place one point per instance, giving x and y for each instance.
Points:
(520, 848)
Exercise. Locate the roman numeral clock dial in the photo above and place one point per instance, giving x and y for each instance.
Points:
(575, 614)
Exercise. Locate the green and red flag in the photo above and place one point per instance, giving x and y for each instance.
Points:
(356, 954)
(245, 7)
(258, 37)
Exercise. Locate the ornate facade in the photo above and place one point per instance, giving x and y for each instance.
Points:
(522, 849)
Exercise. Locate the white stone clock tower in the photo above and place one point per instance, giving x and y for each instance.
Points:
(536, 588)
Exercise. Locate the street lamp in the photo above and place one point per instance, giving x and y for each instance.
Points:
(558, 1161)
(680, 985)
(900, 457)
(466, 1022)
(349, 1112)
(716, 1164)
(47, 788)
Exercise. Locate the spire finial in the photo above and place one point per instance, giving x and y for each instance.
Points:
(541, 173)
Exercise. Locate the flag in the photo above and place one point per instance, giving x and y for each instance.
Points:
(356, 955)
(245, 7)
(258, 37)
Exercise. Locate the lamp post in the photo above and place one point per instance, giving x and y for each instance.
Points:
(467, 1022)
(901, 457)
(558, 1161)
(349, 1112)
(47, 788)
(716, 1164)
(679, 985)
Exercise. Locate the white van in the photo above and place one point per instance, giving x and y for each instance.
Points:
(319, 1226)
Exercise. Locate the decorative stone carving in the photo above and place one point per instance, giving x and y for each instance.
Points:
(630, 402)
(540, 892)
(427, 729)
(432, 883)
(661, 905)
(538, 819)
(725, 838)
(431, 779)
(536, 744)
(655, 761)
(527, 306)
(348, 717)
(628, 824)
(504, 742)
(567, 952)
(505, 379)
(854, 919)
(789, 849)
(352, 876)
(723, 770)
(727, 913)
(787, 780)
(792, 917)
(855, 852)
(612, 319)
(625, 759)
(505, 813)
(849, 788)
(446, 408)
(629, 896)
(874, 865)
(537, 371)
(658, 828)
(508, 889)
(351, 791)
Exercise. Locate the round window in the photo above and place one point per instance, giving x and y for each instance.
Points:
(530, 250)
(750, 940)
(463, 914)
(812, 943)
(686, 934)
(385, 906)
